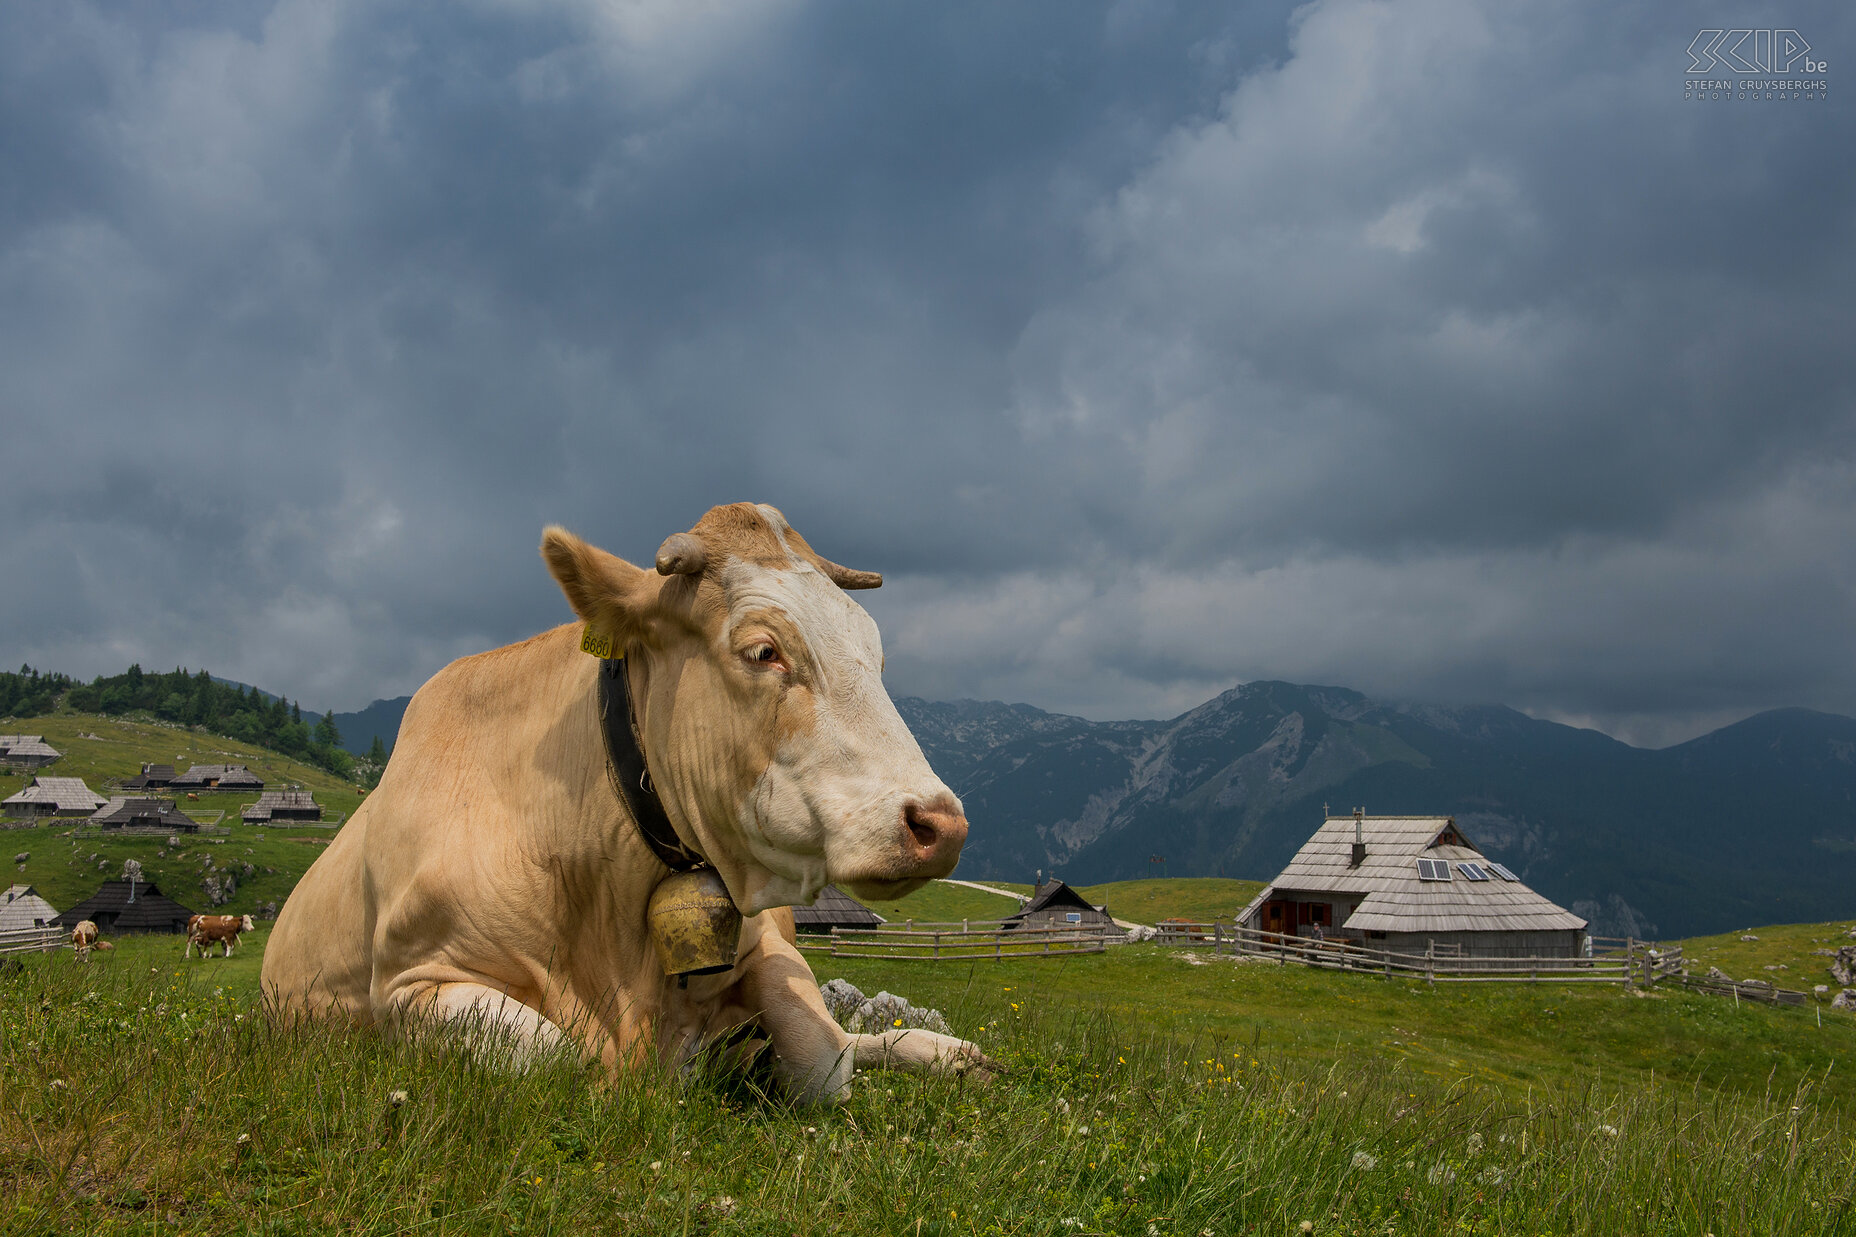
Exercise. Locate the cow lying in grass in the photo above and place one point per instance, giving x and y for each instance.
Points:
(208, 930)
(500, 873)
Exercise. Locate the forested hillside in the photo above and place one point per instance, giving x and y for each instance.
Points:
(189, 698)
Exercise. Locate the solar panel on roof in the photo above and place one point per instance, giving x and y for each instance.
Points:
(1433, 870)
(1501, 871)
(1473, 871)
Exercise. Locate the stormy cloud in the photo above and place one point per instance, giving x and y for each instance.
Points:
(1440, 350)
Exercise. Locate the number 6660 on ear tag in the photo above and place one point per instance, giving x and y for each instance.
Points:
(595, 643)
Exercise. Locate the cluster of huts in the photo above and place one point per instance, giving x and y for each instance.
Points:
(70, 797)
(1398, 884)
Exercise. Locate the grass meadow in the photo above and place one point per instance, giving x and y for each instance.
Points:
(1150, 1091)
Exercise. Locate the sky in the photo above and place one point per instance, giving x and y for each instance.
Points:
(1444, 351)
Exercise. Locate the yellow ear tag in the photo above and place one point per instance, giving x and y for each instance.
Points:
(595, 643)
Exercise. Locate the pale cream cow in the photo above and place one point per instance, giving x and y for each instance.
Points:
(496, 875)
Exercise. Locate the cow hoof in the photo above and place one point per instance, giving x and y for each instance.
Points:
(973, 1064)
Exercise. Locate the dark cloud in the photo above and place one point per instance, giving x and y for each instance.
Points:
(1435, 349)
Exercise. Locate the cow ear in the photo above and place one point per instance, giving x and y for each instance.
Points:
(608, 593)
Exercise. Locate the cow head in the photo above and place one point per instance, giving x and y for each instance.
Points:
(758, 686)
(247, 924)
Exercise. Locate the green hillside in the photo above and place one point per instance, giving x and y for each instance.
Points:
(66, 866)
(1789, 955)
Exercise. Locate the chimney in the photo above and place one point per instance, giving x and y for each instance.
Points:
(1359, 837)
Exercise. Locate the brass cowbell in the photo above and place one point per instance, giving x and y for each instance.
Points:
(694, 924)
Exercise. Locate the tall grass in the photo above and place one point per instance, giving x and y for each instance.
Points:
(133, 1101)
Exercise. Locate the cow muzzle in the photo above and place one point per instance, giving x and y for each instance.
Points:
(933, 833)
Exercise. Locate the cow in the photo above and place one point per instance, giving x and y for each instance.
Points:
(498, 877)
(208, 930)
(84, 939)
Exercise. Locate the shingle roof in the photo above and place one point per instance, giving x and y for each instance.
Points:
(20, 905)
(230, 777)
(1055, 894)
(12, 745)
(1393, 898)
(150, 912)
(294, 801)
(122, 809)
(66, 794)
(152, 775)
(835, 908)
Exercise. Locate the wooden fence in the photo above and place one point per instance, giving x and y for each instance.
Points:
(969, 940)
(1744, 990)
(31, 940)
(1636, 963)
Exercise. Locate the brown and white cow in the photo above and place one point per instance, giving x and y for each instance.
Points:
(495, 874)
(84, 939)
(208, 930)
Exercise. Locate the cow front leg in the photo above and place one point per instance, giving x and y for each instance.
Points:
(500, 1030)
(815, 1058)
(923, 1051)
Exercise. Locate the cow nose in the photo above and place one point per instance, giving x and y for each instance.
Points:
(937, 830)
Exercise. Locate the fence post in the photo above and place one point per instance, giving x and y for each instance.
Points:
(1630, 960)
(1430, 960)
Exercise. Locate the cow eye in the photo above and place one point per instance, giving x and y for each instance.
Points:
(765, 652)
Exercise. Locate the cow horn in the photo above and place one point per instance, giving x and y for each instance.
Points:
(682, 554)
(845, 578)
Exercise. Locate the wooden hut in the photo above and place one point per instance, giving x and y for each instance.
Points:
(23, 909)
(218, 777)
(1411, 884)
(26, 751)
(152, 777)
(54, 796)
(834, 909)
(128, 812)
(1056, 905)
(282, 806)
(124, 906)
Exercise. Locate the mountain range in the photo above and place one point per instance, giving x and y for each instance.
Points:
(1752, 823)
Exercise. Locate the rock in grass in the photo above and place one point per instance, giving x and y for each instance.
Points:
(861, 1015)
(841, 999)
(1845, 999)
(888, 1012)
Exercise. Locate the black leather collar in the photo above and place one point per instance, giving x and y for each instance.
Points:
(631, 777)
